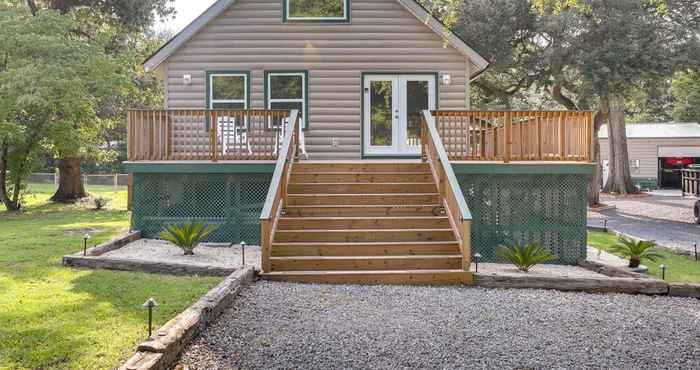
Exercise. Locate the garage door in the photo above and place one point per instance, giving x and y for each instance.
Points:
(679, 151)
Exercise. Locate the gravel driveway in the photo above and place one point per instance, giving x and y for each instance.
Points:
(293, 326)
(668, 220)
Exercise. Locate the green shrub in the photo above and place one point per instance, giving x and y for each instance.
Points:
(636, 251)
(187, 236)
(525, 256)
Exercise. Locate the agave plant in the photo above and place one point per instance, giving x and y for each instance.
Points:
(187, 236)
(636, 251)
(525, 256)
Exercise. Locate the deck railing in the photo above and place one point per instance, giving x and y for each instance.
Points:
(451, 194)
(158, 135)
(516, 136)
(277, 195)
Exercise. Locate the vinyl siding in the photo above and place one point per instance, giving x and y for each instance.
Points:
(647, 152)
(383, 36)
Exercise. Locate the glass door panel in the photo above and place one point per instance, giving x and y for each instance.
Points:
(381, 114)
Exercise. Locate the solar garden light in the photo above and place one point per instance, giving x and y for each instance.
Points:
(243, 244)
(86, 237)
(695, 245)
(663, 271)
(477, 257)
(150, 304)
(605, 225)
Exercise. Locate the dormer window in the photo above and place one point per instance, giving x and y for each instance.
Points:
(310, 11)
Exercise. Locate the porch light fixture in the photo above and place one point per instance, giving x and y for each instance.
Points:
(187, 80)
(150, 304)
(663, 271)
(477, 257)
(86, 237)
(447, 79)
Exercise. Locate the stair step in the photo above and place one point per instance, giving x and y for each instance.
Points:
(360, 167)
(364, 210)
(406, 222)
(291, 249)
(396, 277)
(346, 177)
(364, 235)
(362, 188)
(364, 263)
(362, 199)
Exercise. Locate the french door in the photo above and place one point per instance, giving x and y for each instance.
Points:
(393, 105)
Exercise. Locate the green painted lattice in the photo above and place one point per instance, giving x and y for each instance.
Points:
(549, 209)
(232, 202)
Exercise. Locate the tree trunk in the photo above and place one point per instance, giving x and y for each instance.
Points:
(594, 183)
(70, 183)
(620, 179)
(10, 205)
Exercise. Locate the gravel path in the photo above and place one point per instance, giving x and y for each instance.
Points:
(210, 255)
(293, 326)
(537, 271)
(668, 220)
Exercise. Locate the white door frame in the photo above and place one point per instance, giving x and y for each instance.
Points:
(399, 147)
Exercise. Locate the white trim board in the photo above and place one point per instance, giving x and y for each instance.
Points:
(221, 6)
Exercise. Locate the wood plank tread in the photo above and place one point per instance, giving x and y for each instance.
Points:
(360, 183)
(394, 277)
(362, 194)
(352, 218)
(350, 258)
(315, 231)
(369, 244)
(366, 206)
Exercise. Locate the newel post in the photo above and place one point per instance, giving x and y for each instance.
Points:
(266, 241)
(466, 231)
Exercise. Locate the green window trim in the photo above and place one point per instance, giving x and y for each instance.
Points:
(305, 76)
(287, 19)
(209, 85)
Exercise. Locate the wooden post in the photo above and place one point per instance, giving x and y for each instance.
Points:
(562, 135)
(466, 228)
(130, 192)
(213, 127)
(266, 239)
(508, 139)
(424, 139)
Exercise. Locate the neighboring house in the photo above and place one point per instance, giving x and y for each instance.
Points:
(657, 152)
(338, 136)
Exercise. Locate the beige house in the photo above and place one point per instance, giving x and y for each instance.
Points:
(375, 55)
(401, 180)
(657, 152)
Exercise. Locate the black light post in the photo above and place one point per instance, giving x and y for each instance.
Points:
(477, 257)
(695, 245)
(85, 240)
(150, 304)
(605, 225)
(663, 271)
(243, 244)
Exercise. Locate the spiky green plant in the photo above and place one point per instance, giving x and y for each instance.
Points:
(636, 251)
(524, 256)
(187, 236)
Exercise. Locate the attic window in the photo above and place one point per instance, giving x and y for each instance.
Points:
(335, 11)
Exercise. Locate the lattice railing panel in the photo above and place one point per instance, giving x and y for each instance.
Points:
(549, 209)
(231, 202)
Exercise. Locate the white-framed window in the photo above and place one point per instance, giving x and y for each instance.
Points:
(288, 90)
(335, 11)
(228, 90)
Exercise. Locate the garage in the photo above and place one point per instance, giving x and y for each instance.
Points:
(657, 152)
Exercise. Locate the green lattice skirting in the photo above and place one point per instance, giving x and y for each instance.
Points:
(546, 208)
(233, 202)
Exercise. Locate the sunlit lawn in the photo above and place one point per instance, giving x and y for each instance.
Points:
(680, 269)
(52, 317)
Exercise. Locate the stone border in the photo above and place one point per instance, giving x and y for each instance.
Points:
(574, 284)
(165, 349)
(611, 271)
(111, 245)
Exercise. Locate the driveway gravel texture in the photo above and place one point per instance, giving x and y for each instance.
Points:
(296, 326)
(667, 220)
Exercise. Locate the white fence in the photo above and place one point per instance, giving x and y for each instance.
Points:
(117, 181)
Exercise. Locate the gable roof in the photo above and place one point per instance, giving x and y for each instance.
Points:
(412, 6)
(657, 130)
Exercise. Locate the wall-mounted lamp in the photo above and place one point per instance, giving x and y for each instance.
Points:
(187, 79)
(447, 80)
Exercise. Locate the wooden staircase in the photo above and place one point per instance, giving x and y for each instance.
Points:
(367, 223)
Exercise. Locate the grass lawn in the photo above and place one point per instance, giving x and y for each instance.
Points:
(680, 269)
(59, 318)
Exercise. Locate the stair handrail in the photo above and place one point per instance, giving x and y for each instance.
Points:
(277, 194)
(456, 208)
